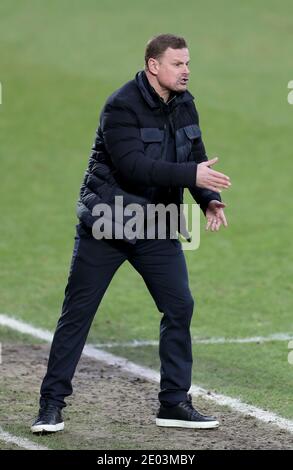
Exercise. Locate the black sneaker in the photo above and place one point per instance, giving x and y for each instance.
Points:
(184, 415)
(48, 420)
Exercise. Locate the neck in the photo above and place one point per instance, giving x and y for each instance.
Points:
(164, 93)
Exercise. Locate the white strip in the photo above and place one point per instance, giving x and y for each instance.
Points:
(25, 328)
(48, 336)
(127, 344)
(146, 373)
(197, 340)
(20, 441)
(253, 339)
(233, 403)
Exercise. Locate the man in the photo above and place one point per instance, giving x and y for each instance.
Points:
(148, 148)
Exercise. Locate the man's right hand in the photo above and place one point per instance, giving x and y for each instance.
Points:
(211, 179)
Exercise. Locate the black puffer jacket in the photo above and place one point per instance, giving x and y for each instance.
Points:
(129, 155)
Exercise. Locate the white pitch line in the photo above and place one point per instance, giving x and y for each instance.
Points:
(25, 328)
(147, 373)
(48, 336)
(20, 441)
(198, 340)
(223, 400)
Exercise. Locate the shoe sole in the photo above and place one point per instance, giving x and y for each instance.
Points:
(178, 423)
(47, 427)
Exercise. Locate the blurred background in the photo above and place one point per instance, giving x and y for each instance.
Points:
(59, 61)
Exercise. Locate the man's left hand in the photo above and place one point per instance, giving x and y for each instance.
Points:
(215, 215)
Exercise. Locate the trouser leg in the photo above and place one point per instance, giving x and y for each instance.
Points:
(93, 265)
(162, 265)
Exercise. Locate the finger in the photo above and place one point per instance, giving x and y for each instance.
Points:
(219, 205)
(219, 174)
(211, 162)
(218, 225)
(219, 185)
(219, 180)
(214, 224)
(212, 188)
(223, 219)
(209, 223)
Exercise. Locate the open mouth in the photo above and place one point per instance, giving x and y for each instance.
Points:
(184, 81)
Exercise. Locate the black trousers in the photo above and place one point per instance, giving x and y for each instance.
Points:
(162, 265)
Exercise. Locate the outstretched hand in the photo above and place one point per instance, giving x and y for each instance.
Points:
(215, 215)
(210, 179)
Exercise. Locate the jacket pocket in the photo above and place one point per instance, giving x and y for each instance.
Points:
(184, 140)
(193, 131)
(152, 138)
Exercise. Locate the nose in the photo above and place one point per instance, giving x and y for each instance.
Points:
(186, 69)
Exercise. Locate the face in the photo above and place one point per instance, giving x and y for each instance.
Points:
(171, 69)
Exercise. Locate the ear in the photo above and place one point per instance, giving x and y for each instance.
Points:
(153, 66)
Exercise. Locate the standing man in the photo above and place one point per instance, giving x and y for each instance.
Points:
(148, 148)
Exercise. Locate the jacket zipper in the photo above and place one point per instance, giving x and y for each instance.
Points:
(166, 137)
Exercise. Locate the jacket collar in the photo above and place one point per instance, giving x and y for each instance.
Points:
(153, 99)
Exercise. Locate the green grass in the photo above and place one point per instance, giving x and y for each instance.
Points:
(59, 62)
(258, 374)
(8, 335)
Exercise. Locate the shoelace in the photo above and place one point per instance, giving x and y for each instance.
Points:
(47, 411)
(187, 405)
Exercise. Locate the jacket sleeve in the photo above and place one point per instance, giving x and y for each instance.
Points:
(201, 195)
(122, 140)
